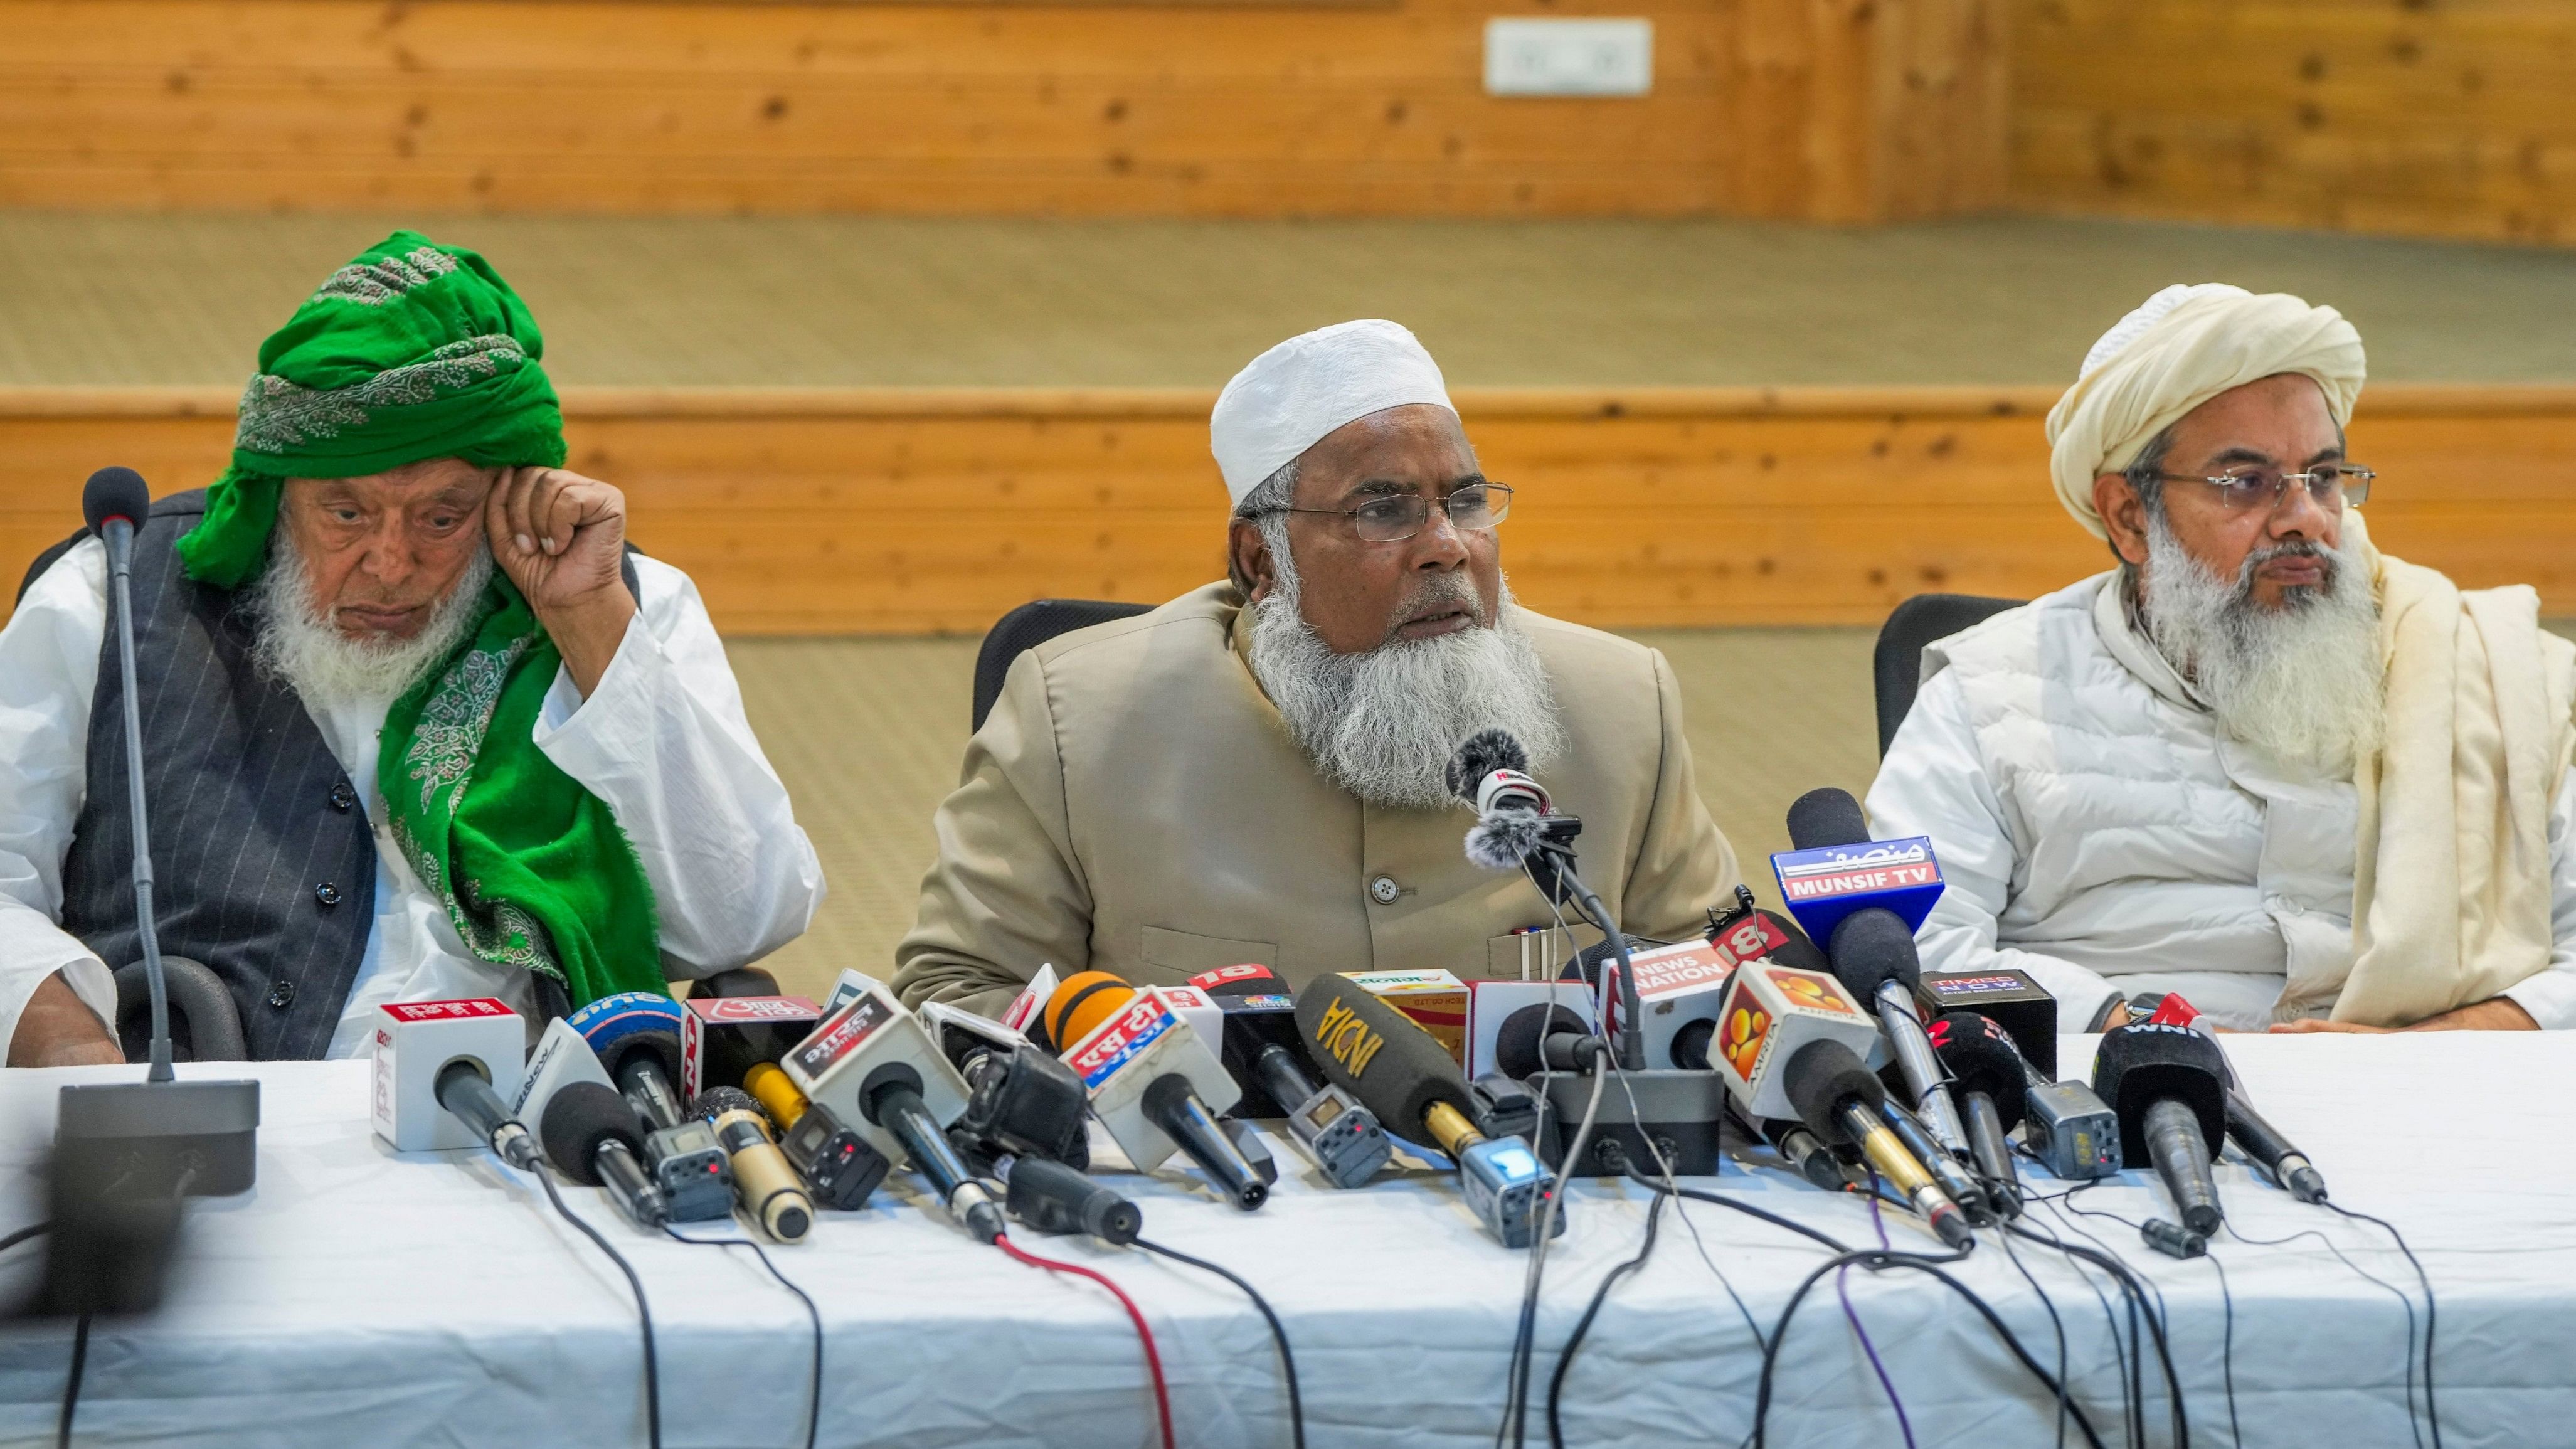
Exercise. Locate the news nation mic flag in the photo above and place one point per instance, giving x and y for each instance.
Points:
(1823, 885)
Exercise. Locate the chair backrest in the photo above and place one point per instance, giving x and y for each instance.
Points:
(1029, 626)
(1921, 620)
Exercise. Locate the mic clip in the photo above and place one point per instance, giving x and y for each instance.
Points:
(1721, 922)
(1553, 856)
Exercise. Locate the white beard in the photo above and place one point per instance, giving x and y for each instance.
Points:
(299, 643)
(2301, 681)
(1385, 723)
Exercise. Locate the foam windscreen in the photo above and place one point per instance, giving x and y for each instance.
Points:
(1377, 1054)
(2137, 1064)
(115, 493)
(1872, 945)
(1827, 817)
(1516, 1041)
(1820, 1075)
(580, 1118)
(1082, 1001)
(1484, 752)
(1980, 1057)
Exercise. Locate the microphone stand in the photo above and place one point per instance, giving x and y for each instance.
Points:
(1551, 868)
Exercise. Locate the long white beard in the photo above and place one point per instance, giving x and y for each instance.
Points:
(299, 643)
(1384, 724)
(2301, 681)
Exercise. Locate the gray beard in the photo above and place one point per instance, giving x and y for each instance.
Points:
(1385, 723)
(2301, 681)
(298, 642)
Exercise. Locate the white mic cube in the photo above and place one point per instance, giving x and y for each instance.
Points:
(1490, 1003)
(871, 1030)
(415, 1041)
(1144, 1042)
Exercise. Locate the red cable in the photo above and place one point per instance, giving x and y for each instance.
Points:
(1153, 1360)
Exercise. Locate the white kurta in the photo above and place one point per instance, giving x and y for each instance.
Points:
(663, 741)
(2096, 830)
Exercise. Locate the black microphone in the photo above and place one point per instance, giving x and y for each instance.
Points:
(891, 1099)
(636, 1035)
(593, 1136)
(1546, 1037)
(464, 1088)
(200, 1137)
(1986, 1069)
(1263, 1048)
(2169, 1085)
(1057, 1199)
(2264, 1143)
(1840, 1101)
(1517, 826)
(1874, 957)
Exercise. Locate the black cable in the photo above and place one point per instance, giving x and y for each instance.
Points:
(2227, 1353)
(643, 1310)
(2137, 1291)
(1525, 1342)
(2432, 1415)
(72, 1384)
(1748, 1209)
(2054, 1321)
(23, 1234)
(1666, 1187)
(2414, 1425)
(1278, 1332)
(1583, 1325)
(814, 1395)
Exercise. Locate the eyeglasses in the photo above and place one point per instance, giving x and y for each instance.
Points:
(2243, 490)
(1399, 516)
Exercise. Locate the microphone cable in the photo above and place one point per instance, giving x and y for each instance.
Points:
(1516, 1384)
(2137, 1295)
(1278, 1332)
(1145, 1334)
(643, 1310)
(23, 1234)
(2012, 1255)
(72, 1384)
(2414, 1425)
(1842, 1292)
(1583, 1325)
(2432, 1416)
(814, 1397)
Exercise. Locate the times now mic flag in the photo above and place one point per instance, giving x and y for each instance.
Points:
(1769, 1013)
(1822, 886)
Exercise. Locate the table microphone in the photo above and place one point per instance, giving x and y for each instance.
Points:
(1986, 1071)
(2258, 1138)
(1405, 1076)
(1839, 1100)
(839, 1167)
(593, 1136)
(636, 1035)
(464, 1088)
(203, 1135)
(1057, 1199)
(1153, 1084)
(1344, 1138)
(1873, 954)
(2169, 1085)
(762, 1175)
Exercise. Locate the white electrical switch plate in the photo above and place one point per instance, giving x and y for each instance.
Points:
(1548, 57)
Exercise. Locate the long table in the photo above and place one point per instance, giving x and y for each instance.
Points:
(360, 1297)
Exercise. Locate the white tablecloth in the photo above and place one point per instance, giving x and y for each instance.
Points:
(360, 1298)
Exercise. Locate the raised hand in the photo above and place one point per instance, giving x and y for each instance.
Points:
(561, 538)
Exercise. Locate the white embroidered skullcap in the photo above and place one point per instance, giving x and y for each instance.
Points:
(2187, 345)
(1287, 399)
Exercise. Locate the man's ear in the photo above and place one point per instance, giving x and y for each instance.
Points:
(1248, 559)
(2124, 516)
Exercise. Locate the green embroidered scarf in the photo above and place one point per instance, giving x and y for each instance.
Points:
(415, 351)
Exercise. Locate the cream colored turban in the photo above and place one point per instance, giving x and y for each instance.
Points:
(2187, 345)
(1287, 399)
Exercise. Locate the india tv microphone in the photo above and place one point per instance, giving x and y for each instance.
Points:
(2247, 1128)
(1985, 1069)
(1344, 1138)
(2169, 1086)
(875, 1066)
(1839, 1100)
(636, 1035)
(1404, 1075)
(1151, 1080)
(1864, 898)
(593, 1136)
(762, 1175)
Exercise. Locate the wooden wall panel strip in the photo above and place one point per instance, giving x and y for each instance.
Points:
(908, 511)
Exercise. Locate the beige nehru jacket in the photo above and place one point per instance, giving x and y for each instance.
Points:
(1134, 804)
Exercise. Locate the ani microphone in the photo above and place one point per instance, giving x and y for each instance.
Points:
(1839, 1100)
(2169, 1086)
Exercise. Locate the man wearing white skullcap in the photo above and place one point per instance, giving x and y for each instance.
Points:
(2259, 763)
(1255, 772)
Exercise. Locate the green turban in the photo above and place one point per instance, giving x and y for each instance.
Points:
(410, 352)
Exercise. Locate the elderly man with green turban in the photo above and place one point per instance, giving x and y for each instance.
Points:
(417, 723)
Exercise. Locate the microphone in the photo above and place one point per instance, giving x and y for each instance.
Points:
(593, 1136)
(1057, 1199)
(464, 1089)
(1405, 1076)
(762, 1175)
(1151, 1080)
(1343, 1138)
(875, 1066)
(2257, 1138)
(1850, 899)
(1547, 1037)
(838, 1166)
(2169, 1086)
(1517, 826)
(203, 1134)
(1839, 1100)
(1020, 1099)
(1986, 1069)
(636, 1035)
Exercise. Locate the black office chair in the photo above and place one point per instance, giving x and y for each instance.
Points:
(1029, 626)
(1921, 620)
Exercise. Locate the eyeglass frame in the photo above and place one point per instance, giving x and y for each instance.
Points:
(2307, 480)
(1428, 502)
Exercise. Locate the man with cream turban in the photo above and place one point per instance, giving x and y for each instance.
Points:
(2260, 763)
(1254, 772)
(415, 723)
